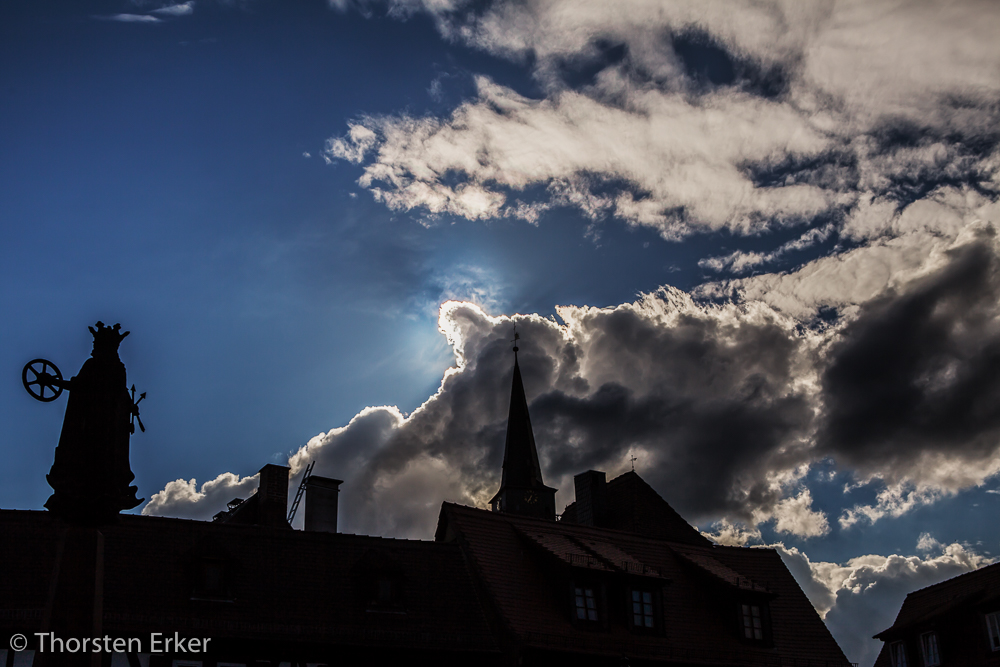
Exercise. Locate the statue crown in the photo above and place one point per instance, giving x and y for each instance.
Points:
(107, 339)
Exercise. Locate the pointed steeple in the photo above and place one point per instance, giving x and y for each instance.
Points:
(522, 490)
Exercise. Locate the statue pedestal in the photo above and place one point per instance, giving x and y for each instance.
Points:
(75, 604)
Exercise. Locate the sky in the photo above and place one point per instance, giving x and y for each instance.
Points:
(752, 245)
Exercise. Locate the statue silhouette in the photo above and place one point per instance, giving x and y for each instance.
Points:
(91, 474)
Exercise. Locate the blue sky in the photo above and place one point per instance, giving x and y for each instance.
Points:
(752, 244)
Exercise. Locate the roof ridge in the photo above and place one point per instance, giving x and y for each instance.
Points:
(575, 526)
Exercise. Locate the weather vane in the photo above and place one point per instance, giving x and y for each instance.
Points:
(517, 337)
(633, 460)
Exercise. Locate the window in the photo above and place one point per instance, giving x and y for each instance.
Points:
(897, 653)
(212, 580)
(642, 609)
(993, 627)
(385, 593)
(586, 604)
(929, 647)
(753, 622)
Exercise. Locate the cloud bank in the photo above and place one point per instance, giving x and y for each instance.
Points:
(727, 406)
(863, 596)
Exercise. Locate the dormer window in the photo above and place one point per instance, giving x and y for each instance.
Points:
(586, 603)
(379, 582)
(642, 609)
(993, 628)
(897, 654)
(929, 647)
(212, 580)
(385, 593)
(753, 622)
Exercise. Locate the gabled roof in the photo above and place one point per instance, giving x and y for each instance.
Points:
(971, 588)
(523, 563)
(634, 506)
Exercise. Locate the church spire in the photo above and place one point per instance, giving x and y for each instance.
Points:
(522, 490)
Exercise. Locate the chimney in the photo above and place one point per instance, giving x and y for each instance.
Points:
(591, 498)
(272, 496)
(321, 503)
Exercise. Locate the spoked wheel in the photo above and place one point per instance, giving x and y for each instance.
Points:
(41, 378)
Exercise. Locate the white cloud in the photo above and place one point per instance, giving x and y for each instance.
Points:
(669, 153)
(901, 247)
(473, 284)
(353, 147)
(183, 498)
(796, 515)
(180, 9)
(733, 534)
(822, 107)
(741, 262)
(923, 481)
(926, 542)
(130, 18)
(894, 500)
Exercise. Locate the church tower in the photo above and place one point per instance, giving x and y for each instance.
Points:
(522, 490)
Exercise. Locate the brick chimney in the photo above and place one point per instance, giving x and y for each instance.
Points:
(591, 498)
(272, 496)
(321, 503)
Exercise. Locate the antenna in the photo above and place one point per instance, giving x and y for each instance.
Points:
(298, 494)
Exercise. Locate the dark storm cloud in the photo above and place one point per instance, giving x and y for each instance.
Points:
(706, 397)
(919, 371)
(710, 405)
(704, 453)
(708, 394)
